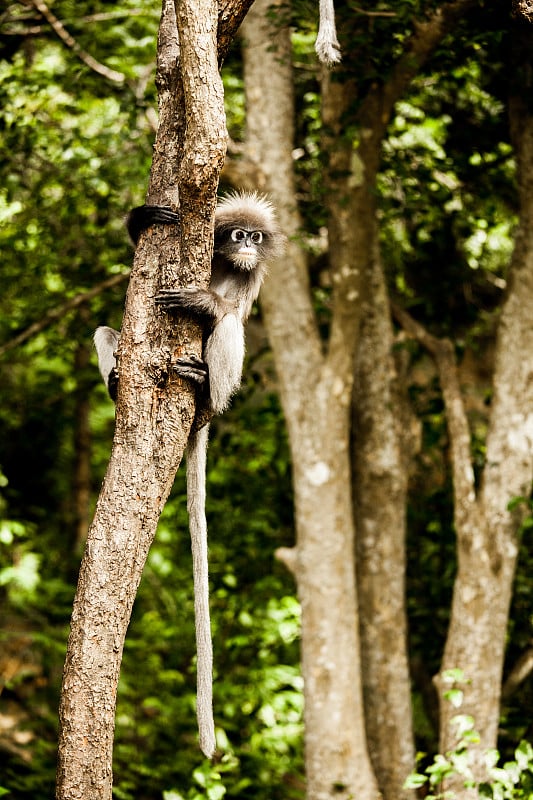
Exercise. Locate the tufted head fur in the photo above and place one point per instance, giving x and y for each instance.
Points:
(253, 212)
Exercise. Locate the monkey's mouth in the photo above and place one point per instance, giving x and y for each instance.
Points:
(246, 258)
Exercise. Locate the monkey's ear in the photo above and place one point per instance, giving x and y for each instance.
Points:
(143, 217)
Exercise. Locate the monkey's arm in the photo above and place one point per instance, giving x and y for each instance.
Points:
(203, 302)
(143, 217)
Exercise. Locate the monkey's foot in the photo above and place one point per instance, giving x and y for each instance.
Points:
(192, 368)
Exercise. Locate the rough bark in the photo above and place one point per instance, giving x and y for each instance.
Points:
(316, 391)
(378, 466)
(380, 493)
(153, 419)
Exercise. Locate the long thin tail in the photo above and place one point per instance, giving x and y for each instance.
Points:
(327, 45)
(196, 472)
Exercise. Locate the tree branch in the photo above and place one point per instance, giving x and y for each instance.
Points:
(104, 16)
(518, 674)
(289, 557)
(457, 423)
(367, 13)
(59, 312)
(230, 15)
(66, 38)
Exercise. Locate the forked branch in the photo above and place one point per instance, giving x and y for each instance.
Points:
(442, 351)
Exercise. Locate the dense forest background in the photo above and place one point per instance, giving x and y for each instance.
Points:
(77, 122)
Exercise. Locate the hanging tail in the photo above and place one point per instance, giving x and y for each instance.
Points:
(196, 478)
(327, 45)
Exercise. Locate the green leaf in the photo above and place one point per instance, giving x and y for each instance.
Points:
(415, 780)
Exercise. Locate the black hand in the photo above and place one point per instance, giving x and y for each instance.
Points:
(176, 298)
(192, 368)
(143, 217)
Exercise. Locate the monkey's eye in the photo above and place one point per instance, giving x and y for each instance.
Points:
(237, 235)
(256, 237)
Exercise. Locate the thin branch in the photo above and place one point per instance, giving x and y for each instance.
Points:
(521, 670)
(64, 35)
(428, 34)
(374, 13)
(59, 312)
(230, 15)
(103, 16)
(289, 557)
(458, 429)
(36, 30)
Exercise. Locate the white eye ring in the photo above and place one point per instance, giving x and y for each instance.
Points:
(237, 235)
(256, 237)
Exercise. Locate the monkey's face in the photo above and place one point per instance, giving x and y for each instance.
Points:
(241, 246)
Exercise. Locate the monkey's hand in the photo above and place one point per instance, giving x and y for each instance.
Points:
(202, 302)
(178, 298)
(143, 217)
(192, 368)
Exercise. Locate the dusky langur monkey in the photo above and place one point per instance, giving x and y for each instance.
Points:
(246, 236)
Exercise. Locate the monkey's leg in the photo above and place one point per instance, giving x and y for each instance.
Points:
(197, 371)
(143, 217)
(192, 368)
(112, 384)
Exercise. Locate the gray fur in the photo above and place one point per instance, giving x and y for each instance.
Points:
(327, 45)
(106, 342)
(224, 355)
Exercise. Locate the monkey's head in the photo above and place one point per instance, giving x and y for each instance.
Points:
(246, 231)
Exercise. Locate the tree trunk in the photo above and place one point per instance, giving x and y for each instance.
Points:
(316, 392)
(378, 455)
(379, 470)
(487, 528)
(153, 419)
(380, 492)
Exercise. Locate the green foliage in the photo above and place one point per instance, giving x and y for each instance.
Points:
(75, 155)
(513, 780)
(449, 212)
